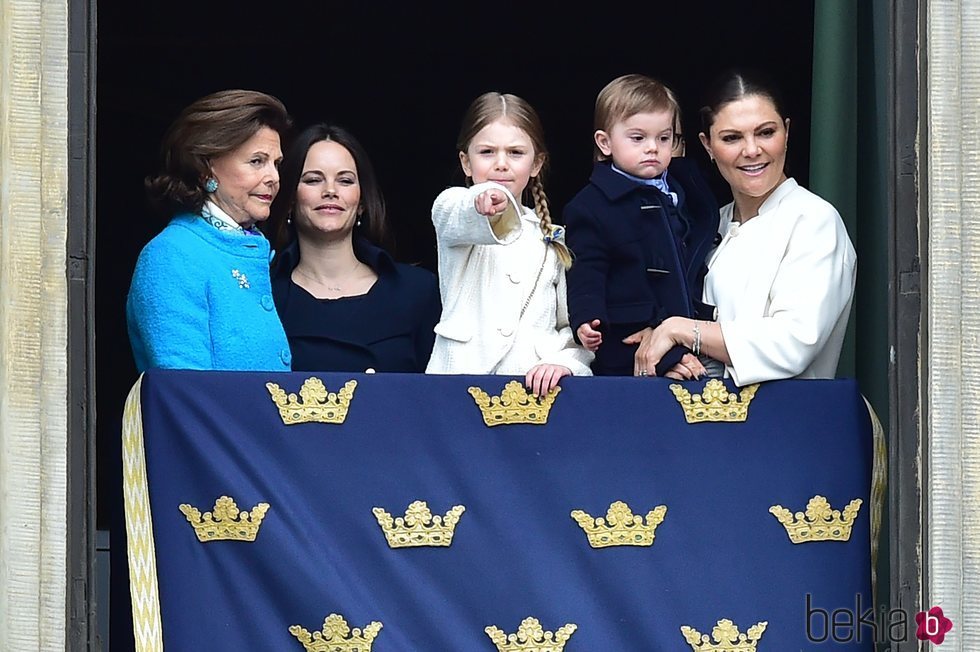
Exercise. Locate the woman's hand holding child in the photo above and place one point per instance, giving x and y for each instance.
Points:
(689, 368)
(655, 343)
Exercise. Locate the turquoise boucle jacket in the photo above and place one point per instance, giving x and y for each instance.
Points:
(201, 298)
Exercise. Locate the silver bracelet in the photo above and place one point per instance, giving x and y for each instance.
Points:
(696, 348)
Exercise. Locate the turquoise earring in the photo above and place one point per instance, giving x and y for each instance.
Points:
(210, 184)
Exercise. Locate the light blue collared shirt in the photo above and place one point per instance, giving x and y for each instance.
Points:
(660, 183)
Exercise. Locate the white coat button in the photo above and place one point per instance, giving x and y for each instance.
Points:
(733, 230)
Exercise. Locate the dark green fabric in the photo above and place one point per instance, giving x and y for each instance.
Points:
(849, 153)
(848, 167)
(833, 135)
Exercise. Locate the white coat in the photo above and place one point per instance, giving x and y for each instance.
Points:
(783, 282)
(486, 275)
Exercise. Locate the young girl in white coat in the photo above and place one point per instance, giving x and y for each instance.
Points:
(501, 264)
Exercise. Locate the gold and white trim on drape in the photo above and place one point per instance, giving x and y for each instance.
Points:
(879, 489)
(147, 624)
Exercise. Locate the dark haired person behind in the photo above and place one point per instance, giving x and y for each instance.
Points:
(201, 295)
(345, 303)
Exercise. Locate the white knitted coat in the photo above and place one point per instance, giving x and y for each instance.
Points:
(783, 282)
(485, 279)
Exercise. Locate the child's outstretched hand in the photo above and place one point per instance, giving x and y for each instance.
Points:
(589, 336)
(542, 378)
(490, 203)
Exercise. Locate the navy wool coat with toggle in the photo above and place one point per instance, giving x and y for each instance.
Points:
(632, 269)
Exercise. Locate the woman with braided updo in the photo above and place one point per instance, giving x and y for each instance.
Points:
(501, 264)
(783, 275)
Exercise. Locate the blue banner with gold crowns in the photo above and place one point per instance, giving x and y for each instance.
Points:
(273, 512)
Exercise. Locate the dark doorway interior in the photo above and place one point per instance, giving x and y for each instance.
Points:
(399, 76)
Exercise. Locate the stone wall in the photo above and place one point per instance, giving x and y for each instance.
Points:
(951, 130)
(33, 323)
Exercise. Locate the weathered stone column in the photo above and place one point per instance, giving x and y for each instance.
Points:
(951, 132)
(33, 318)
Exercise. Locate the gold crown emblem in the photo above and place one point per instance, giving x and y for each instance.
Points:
(514, 405)
(318, 405)
(419, 527)
(337, 636)
(715, 402)
(225, 522)
(530, 637)
(726, 638)
(820, 522)
(620, 527)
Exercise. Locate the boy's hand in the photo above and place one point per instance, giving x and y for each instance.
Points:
(490, 203)
(589, 336)
(542, 378)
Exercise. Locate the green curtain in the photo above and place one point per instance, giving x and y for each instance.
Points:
(834, 129)
(849, 155)
(848, 167)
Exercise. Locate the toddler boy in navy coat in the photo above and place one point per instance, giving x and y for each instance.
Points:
(639, 231)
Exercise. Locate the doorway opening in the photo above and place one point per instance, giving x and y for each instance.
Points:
(399, 77)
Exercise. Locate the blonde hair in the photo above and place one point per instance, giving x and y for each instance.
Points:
(493, 106)
(628, 95)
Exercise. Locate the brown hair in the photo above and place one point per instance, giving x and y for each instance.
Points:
(493, 106)
(373, 220)
(628, 95)
(734, 85)
(210, 127)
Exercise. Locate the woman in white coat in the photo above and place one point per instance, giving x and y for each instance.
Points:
(782, 277)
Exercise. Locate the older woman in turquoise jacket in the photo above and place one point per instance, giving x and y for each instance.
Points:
(201, 297)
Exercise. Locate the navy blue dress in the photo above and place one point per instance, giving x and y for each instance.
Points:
(389, 328)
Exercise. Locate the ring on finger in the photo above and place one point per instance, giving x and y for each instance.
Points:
(643, 372)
